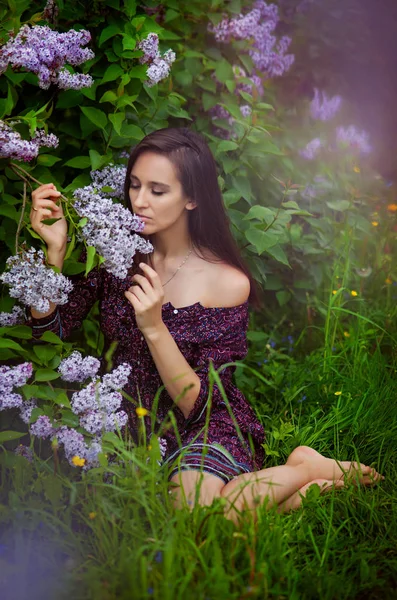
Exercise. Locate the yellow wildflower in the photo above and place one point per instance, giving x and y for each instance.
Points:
(375, 223)
(357, 169)
(388, 281)
(77, 461)
(92, 515)
(346, 334)
(334, 292)
(141, 412)
(354, 293)
(149, 447)
(338, 393)
(392, 207)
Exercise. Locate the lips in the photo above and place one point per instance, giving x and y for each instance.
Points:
(142, 217)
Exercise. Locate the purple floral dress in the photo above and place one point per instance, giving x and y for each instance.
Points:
(218, 437)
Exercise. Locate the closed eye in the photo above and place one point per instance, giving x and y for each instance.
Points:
(136, 187)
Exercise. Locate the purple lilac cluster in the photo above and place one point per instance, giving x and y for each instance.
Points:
(13, 146)
(74, 444)
(25, 411)
(77, 368)
(323, 108)
(268, 54)
(110, 225)
(97, 403)
(244, 86)
(45, 52)
(15, 317)
(11, 377)
(24, 451)
(159, 66)
(42, 428)
(312, 149)
(112, 176)
(351, 138)
(34, 284)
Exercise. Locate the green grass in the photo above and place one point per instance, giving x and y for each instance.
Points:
(339, 545)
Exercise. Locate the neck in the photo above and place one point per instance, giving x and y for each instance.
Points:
(172, 244)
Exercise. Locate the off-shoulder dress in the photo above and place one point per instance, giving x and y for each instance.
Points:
(218, 437)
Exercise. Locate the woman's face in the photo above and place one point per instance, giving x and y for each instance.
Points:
(156, 194)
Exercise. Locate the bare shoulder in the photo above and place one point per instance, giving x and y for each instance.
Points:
(228, 286)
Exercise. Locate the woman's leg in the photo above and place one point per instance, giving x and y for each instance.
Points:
(247, 491)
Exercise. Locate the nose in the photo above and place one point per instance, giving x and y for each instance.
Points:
(140, 200)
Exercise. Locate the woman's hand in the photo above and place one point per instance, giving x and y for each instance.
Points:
(147, 300)
(44, 207)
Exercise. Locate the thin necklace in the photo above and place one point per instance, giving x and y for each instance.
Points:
(180, 266)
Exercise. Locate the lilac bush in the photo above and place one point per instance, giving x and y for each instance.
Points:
(13, 146)
(45, 52)
(11, 377)
(33, 283)
(159, 66)
(312, 149)
(351, 138)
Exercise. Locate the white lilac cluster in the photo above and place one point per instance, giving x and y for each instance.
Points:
(13, 146)
(159, 66)
(351, 138)
(11, 377)
(110, 226)
(34, 284)
(323, 108)
(268, 54)
(77, 368)
(15, 317)
(45, 52)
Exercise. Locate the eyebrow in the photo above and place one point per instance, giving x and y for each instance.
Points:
(151, 182)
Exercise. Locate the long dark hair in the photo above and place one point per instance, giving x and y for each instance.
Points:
(208, 223)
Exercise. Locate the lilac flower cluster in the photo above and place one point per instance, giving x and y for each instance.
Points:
(26, 409)
(45, 52)
(312, 149)
(97, 403)
(159, 66)
(11, 377)
(255, 81)
(112, 176)
(33, 283)
(77, 368)
(268, 54)
(42, 428)
(110, 226)
(324, 108)
(353, 139)
(15, 317)
(24, 451)
(13, 146)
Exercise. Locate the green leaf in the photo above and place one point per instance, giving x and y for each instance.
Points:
(46, 375)
(95, 115)
(19, 331)
(91, 252)
(112, 72)
(278, 254)
(226, 146)
(109, 96)
(45, 353)
(49, 336)
(107, 33)
(130, 7)
(61, 398)
(283, 297)
(117, 119)
(9, 211)
(7, 436)
(224, 71)
(47, 160)
(290, 204)
(132, 131)
(260, 212)
(97, 161)
(339, 205)
(10, 344)
(70, 419)
(129, 43)
(78, 162)
(51, 221)
(264, 106)
(208, 100)
(262, 240)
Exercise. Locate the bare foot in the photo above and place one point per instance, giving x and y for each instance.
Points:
(294, 501)
(327, 468)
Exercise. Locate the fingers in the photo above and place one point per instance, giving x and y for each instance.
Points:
(41, 197)
(152, 276)
(145, 284)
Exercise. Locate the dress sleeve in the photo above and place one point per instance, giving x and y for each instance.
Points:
(230, 346)
(69, 316)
